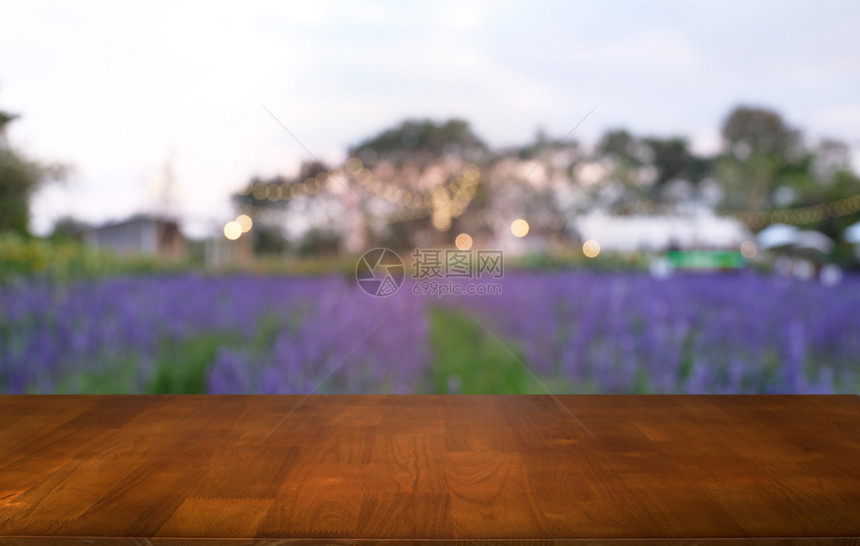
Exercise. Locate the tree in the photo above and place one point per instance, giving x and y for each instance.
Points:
(20, 177)
(543, 146)
(620, 146)
(830, 179)
(69, 228)
(5, 119)
(626, 179)
(319, 242)
(749, 131)
(423, 141)
(272, 202)
(418, 156)
(672, 159)
(763, 159)
(832, 157)
(269, 240)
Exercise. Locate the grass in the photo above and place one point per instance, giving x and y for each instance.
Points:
(120, 379)
(468, 360)
(181, 366)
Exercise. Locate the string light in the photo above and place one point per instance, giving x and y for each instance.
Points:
(797, 216)
(353, 165)
(453, 199)
(443, 203)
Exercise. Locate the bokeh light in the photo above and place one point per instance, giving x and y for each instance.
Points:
(441, 221)
(232, 230)
(463, 241)
(591, 248)
(353, 165)
(519, 227)
(244, 222)
(749, 250)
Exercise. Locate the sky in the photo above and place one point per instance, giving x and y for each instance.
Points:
(120, 90)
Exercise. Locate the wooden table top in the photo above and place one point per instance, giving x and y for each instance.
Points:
(378, 468)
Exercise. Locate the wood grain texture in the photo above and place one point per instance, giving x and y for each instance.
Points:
(383, 469)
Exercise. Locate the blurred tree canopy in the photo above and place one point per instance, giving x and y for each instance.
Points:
(69, 228)
(764, 161)
(768, 165)
(750, 131)
(764, 165)
(422, 141)
(409, 149)
(673, 159)
(20, 177)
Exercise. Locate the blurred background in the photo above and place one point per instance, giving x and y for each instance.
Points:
(186, 190)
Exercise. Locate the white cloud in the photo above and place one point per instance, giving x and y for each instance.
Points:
(841, 119)
(654, 48)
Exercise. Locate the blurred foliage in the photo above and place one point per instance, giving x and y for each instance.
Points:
(254, 197)
(64, 260)
(269, 240)
(764, 166)
(574, 259)
(68, 228)
(181, 365)
(764, 163)
(673, 159)
(755, 131)
(421, 140)
(314, 265)
(542, 144)
(319, 242)
(20, 176)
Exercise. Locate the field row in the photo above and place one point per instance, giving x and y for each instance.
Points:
(546, 332)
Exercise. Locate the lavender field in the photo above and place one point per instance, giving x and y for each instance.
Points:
(558, 332)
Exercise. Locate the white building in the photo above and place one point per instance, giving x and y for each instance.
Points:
(634, 233)
(142, 235)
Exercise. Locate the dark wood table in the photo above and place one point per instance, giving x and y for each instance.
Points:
(279, 469)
